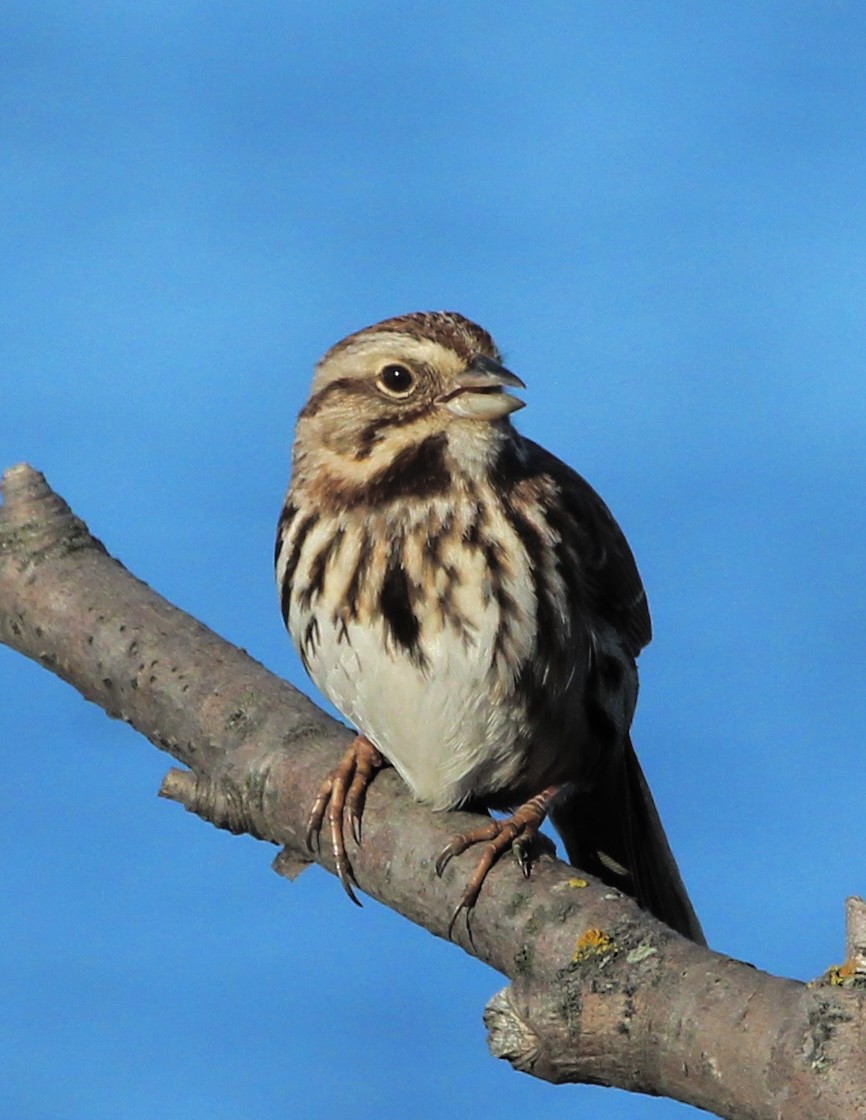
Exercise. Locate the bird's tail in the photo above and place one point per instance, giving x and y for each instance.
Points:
(614, 832)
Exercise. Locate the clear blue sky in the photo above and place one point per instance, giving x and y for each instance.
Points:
(659, 212)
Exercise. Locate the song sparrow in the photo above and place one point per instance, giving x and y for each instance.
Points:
(468, 603)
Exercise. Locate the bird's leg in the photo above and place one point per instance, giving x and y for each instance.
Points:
(517, 831)
(343, 791)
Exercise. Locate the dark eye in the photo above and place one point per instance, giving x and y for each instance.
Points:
(397, 381)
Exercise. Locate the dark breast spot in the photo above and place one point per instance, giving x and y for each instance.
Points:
(396, 603)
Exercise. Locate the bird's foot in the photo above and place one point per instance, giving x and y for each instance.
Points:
(342, 793)
(519, 832)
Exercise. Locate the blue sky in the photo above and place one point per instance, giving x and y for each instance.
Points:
(659, 212)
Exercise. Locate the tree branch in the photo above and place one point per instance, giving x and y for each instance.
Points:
(600, 991)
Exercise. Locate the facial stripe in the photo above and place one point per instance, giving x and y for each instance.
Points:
(419, 471)
(373, 434)
(340, 387)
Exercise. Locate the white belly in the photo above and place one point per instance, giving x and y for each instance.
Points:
(447, 719)
(445, 728)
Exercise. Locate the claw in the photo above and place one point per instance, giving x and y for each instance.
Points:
(454, 916)
(458, 844)
(355, 822)
(341, 793)
(368, 761)
(443, 860)
(518, 831)
(520, 846)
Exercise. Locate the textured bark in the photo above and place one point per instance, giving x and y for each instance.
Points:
(600, 991)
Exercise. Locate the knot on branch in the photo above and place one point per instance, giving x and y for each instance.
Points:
(36, 522)
(290, 864)
(509, 1035)
(225, 806)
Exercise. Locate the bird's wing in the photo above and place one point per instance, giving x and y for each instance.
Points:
(604, 564)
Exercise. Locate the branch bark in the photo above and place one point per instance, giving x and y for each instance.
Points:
(600, 992)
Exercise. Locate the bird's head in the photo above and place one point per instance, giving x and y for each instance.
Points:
(421, 392)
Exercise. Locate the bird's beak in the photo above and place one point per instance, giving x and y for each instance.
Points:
(478, 393)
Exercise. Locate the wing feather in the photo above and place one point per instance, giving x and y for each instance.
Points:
(606, 574)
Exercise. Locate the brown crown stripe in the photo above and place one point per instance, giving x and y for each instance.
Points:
(448, 328)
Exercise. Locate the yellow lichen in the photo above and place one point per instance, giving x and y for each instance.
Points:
(847, 975)
(592, 943)
(842, 973)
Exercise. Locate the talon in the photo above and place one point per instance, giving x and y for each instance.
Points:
(317, 814)
(313, 844)
(367, 763)
(520, 847)
(517, 831)
(458, 844)
(455, 915)
(341, 793)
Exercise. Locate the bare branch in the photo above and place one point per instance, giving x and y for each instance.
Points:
(855, 934)
(600, 991)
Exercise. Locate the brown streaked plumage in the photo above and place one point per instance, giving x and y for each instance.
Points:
(468, 602)
(449, 329)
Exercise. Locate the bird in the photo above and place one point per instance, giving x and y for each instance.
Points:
(469, 604)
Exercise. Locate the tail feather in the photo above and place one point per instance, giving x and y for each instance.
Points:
(614, 832)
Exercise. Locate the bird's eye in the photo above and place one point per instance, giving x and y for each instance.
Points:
(396, 381)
